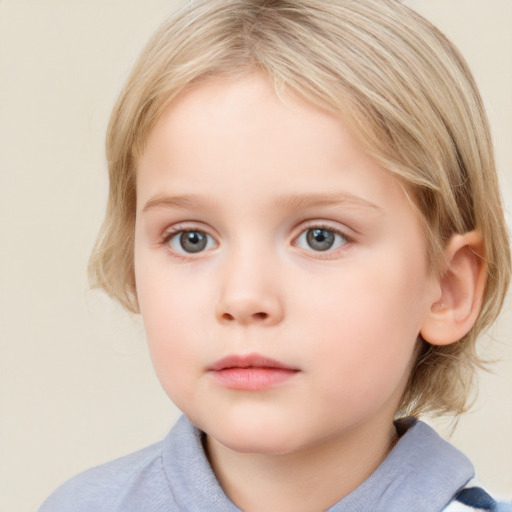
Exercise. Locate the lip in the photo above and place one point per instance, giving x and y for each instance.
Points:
(251, 372)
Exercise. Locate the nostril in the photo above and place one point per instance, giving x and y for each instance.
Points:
(256, 316)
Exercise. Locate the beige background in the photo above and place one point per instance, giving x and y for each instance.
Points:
(76, 384)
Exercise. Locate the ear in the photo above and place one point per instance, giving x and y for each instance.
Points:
(462, 282)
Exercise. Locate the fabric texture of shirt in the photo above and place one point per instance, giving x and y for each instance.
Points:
(422, 473)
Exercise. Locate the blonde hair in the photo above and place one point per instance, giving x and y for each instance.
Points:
(401, 85)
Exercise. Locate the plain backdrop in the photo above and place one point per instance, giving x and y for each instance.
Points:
(76, 384)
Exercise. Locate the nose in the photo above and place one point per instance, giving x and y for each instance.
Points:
(250, 294)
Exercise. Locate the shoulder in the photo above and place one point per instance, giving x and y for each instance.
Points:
(170, 476)
(438, 476)
(101, 488)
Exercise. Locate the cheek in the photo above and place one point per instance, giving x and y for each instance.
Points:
(166, 294)
(176, 358)
(367, 304)
(170, 310)
(167, 317)
(366, 327)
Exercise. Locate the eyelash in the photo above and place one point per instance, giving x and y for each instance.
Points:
(179, 230)
(329, 252)
(175, 232)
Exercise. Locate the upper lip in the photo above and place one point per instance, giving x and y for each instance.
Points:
(248, 361)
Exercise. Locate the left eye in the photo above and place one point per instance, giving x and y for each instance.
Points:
(320, 239)
(191, 242)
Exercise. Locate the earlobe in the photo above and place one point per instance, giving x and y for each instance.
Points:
(462, 282)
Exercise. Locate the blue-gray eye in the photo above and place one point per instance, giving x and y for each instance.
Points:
(320, 239)
(190, 242)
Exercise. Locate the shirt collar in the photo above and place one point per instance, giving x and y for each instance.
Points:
(422, 472)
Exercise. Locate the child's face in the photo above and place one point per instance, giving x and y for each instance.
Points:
(264, 230)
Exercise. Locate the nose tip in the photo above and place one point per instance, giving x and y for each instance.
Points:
(249, 288)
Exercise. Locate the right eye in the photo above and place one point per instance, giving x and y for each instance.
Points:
(320, 239)
(190, 241)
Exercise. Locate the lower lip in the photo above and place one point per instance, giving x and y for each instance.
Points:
(252, 379)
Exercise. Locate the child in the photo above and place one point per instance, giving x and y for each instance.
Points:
(305, 211)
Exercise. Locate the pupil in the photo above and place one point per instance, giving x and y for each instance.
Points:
(320, 239)
(193, 241)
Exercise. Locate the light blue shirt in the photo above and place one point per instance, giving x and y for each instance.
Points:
(422, 473)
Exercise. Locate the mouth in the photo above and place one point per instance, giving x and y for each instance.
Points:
(251, 372)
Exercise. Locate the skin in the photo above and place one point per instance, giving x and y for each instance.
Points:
(255, 173)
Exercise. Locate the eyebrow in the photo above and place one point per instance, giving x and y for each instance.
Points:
(298, 201)
(332, 199)
(176, 202)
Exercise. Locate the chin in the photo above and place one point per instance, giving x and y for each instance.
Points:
(256, 437)
(257, 444)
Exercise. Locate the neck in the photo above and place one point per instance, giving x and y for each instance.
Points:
(308, 480)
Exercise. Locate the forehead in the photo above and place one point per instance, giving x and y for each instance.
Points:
(223, 110)
(237, 139)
